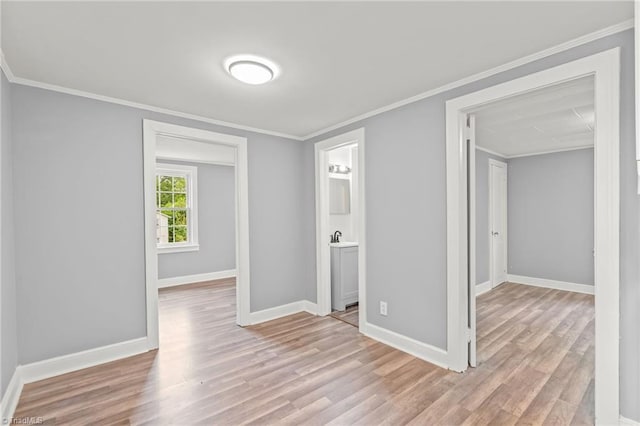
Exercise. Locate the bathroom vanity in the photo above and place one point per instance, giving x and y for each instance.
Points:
(344, 275)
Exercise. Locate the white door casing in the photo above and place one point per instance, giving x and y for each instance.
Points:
(497, 222)
(323, 257)
(605, 67)
(471, 166)
(151, 131)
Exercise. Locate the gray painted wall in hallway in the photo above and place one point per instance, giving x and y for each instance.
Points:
(84, 283)
(216, 225)
(9, 344)
(551, 216)
(406, 239)
(482, 214)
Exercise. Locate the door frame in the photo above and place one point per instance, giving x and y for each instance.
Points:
(500, 164)
(323, 251)
(151, 130)
(605, 67)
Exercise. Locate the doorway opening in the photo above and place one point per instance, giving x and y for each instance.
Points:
(603, 69)
(340, 228)
(178, 160)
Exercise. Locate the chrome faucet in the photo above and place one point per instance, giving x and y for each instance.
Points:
(335, 238)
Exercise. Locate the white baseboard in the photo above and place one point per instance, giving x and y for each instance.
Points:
(406, 344)
(310, 307)
(483, 288)
(628, 422)
(67, 363)
(556, 285)
(283, 311)
(196, 278)
(11, 397)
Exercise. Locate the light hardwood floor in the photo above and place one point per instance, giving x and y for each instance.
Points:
(535, 346)
(349, 315)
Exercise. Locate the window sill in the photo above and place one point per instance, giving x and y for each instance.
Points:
(178, 249)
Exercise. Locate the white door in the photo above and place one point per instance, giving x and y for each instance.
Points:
(498, 221)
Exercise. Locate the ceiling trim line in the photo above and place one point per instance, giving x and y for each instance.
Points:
(552, 151)
(614, 29)
(81, 93)
(604, 32)
(488, 151)
(5, 67)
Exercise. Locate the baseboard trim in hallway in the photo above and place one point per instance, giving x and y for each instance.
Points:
(283, 311)
(553, 284)
(52, 367)
(305, 368)
(628, 422)
(11, 397)
(406, 344)
(482, 288)
(197, 278)
(60, 365)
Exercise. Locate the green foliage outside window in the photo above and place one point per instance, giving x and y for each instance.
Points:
(171, 203)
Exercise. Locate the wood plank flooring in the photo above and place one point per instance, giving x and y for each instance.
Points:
(349, 315)
(536, 348)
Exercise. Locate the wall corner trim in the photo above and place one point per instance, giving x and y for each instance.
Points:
(406, 344)
(628, 422)
(5, 67)
(283, 311)
(196, 278)
(553, 284)
(11, 397)
(483, 288)
(310, 307)
(52, 367)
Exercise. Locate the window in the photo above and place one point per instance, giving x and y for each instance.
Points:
(176, 214)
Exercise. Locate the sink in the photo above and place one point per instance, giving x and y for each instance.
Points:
(344, 244)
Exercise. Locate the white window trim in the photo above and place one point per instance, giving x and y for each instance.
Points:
(192, 207)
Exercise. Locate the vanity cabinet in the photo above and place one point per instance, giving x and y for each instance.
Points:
(344, 276)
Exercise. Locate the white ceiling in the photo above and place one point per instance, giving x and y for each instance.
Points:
(555, 118)
(338, 60)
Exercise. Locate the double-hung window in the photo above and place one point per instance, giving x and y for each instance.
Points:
(176, 213)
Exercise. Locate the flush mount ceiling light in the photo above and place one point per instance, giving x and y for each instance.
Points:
(251, 69)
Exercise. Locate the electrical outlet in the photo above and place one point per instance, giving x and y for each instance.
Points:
(383, 308)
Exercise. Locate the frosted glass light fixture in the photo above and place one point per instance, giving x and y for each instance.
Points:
(251, 69)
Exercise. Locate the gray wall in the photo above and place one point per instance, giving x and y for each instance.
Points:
(216, 225)
(9, 343)
(551, 217)
(79, 221)
(406, 237)
(482, 214)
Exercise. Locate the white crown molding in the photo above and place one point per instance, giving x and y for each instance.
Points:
(613, 29)
(531, 154)
(6, 68)
(69, 91)
(551, 151)
(488, 151)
